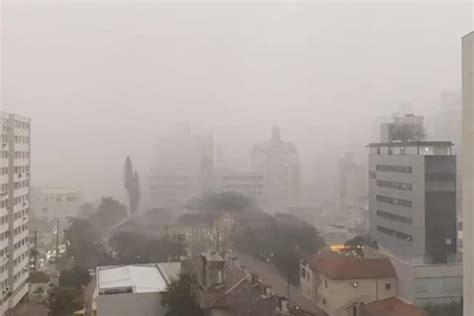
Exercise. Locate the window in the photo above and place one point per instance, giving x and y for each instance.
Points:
(394, 217)
(394, 185)
(372, 174)
(391, 168)
(354, 310)
(394, 201)
(394, 233)
(303, 273)
(326, 283)
(324, 301)
(388, 286)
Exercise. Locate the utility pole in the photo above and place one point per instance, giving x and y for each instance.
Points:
(57, 239)
(35, 250)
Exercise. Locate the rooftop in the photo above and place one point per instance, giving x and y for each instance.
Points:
(413, 144)
(392, 306)
(345, 267)
(146, 278)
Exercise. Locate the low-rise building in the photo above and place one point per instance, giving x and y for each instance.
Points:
(55, 203)
(340, 284)
(392, 306)
(424, 284)
(249, 184)
(133, 289)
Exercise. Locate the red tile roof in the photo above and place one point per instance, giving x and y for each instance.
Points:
(392, 306)
(340, 267)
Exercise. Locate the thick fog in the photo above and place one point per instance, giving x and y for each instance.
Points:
(103, 81)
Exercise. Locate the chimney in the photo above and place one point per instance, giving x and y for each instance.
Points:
(267, 291)
(283, 305)
(254, 280)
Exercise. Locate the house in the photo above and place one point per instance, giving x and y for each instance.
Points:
(392, 306)
(133, 289)
(340, 284)
(228, 289)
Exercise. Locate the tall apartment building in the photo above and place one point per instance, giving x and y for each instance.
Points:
(468, 171)
(412, 199)
(278, 161)
(14, 205)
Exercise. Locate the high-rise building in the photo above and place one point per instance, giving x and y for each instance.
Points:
(278, 161)
(468, 171)
(412, 199)
(14, 204)
(183, 168)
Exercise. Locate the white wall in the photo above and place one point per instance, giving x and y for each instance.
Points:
(468, 171)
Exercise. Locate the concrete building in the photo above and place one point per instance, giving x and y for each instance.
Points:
(14, 208)
(249, 184)
(133, 289)
(55, 203)
(412, 199)
(341, 284)
(424, 284)
(392, 306)
(468, 171)
(278, 161)
(352, 191)
(183, 167)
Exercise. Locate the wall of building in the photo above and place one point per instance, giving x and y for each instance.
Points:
(143, 304)
(468, 171)
(416, 229)
(337, 296)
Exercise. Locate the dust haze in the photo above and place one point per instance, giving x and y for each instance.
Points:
(101, 81)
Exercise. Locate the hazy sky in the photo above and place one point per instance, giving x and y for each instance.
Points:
(103, 80)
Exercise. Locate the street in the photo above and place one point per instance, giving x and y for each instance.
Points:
(269, 275)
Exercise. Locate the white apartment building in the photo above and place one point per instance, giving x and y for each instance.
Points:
(14, 205)
(468, 171)
(278, 161)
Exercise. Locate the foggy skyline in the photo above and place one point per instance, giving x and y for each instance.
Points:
(103, 81)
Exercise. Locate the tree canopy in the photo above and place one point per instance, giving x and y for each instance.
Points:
(226, 201)
(132, 185)
(182, 297)
(131, 248)
(281, 244)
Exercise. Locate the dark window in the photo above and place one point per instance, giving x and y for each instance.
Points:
(303, 273)
(394, 201)
(354, 310)
(394, 185)
(390, 168)
(394, 217)
(325, 283)
(388, 286)
(395, 233)
(372, 174)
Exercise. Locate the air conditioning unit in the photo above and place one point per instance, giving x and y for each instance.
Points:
(19, 176)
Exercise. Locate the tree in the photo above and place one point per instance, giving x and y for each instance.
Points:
(85, 244)
(109, 213)
(77, 278)
(283, 245)
(132, 185)
(132, 248)
(226, 201)
(182, 297)
(64, 301)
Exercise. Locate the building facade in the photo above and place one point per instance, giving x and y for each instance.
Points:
(468, 171)
(55, 203)
(14, 206)
(278, 161)
(341, 284)
(183, 168)
(249, 184)
(412, 200)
